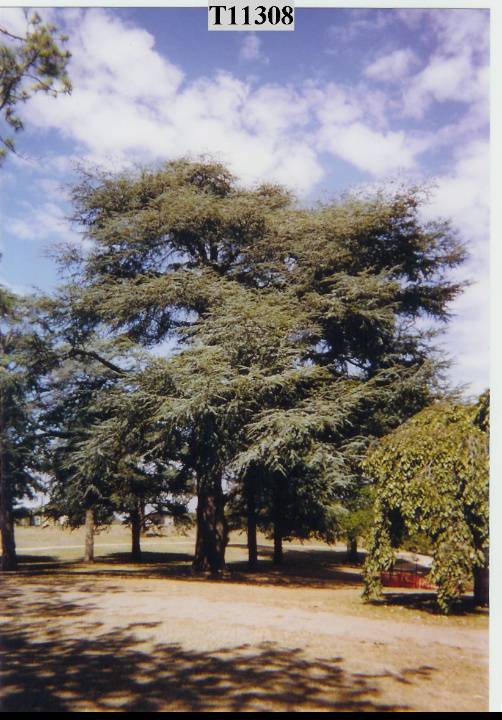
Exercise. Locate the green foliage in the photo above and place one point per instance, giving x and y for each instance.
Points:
(357, 520)
(18, 389)
(417, 541)
(33, 63)
(293, 328)
(76, 397)
(431, 477)
(20, 443)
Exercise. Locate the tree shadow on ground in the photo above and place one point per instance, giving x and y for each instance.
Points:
(148, 557)
(426, 601)
(314, 569)
(298, 570)
(36, 559)
(45, 669)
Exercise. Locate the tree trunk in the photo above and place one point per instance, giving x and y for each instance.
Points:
(135, 519)
(278, 532)
(142, 514)
(200, 561)
(251, 528)
(212, 529)
(9, 559)
(481, 586)
(278, 551)
(352, 549)
(89, 535)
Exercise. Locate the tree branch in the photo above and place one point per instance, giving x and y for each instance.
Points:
(76, 352)
(11, 35)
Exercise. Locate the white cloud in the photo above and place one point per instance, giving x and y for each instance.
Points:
(273, 109)
(379, 153)
(130, 103)
(111, 57)
(463, 195)
(392, 67)
(467, 338)
(458, 69)
(301, 161)
(336, 104)
(445, 78)
(46, 221)
(353, 126)
(357, 23)
(458, 29)
(250, 50)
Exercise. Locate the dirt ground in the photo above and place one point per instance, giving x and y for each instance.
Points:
(116, 636)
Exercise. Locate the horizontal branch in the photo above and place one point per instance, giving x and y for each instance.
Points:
(77, 352)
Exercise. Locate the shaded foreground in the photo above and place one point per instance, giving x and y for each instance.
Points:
(154, 638)
(115, 671)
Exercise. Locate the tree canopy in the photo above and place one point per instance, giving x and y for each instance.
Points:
(292, 329)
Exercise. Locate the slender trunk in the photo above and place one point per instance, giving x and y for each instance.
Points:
(142, 514)
(352, 549)
(135, 519)
(9, 559)
(89, 536)
(278, 525)
(251, 526)
(212, 529)
(278, 551)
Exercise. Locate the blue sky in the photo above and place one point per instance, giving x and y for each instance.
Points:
(350, 98)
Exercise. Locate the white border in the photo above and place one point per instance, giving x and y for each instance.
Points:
(370, 4)
(496, 364)
(495, 270)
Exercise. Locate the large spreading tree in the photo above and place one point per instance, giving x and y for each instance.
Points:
(172, 248)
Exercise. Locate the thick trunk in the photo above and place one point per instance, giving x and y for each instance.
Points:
(278, 551)
(9, 559)
(251, 528)
(89, 535)
(352, 549)
(136, 534)
(212, 530)
(200, 561)
(481, 586)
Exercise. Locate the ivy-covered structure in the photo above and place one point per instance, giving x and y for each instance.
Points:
(431, 476)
